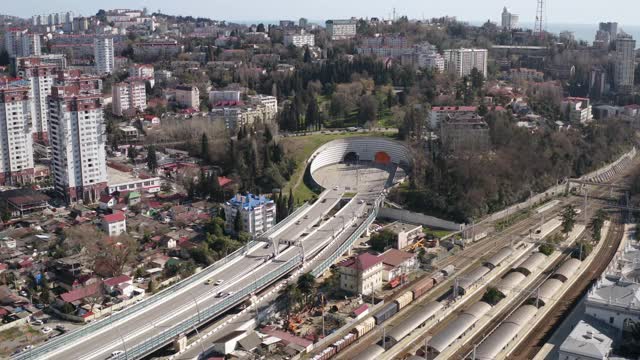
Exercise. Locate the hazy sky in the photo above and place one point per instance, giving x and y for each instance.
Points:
(558, 11)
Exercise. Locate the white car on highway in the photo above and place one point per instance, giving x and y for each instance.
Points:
(116, 354)
(46, 330)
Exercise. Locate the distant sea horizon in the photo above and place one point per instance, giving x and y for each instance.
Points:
(585, 32)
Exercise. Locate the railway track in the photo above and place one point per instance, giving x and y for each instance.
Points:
(532, 344)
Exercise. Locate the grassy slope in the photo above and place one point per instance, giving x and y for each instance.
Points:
(300, 149)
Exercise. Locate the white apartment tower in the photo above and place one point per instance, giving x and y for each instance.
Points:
(40, 76)
(341, 29)
(21, 43)
(462, 61)
(104, 55)
(77, 137)
(129, 97)
(16, 141)
(624, 63)
(509, 20)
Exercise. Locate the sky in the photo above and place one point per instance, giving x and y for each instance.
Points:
(558, 11)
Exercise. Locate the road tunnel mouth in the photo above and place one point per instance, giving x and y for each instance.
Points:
(351, 157)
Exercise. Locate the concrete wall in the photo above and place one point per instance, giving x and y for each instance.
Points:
(13, 324)
(416, 218)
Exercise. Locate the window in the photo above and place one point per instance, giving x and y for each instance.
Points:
(611, 320)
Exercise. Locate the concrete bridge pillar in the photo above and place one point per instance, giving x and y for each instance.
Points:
(180, 343)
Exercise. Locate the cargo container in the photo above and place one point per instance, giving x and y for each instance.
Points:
(422, 287)
(364, 327)
(387, 311)
(404, 299)
(438, 277)
(345, 341)
(448, 270)
(327, 353)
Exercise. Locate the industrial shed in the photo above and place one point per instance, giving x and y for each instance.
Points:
(566, 271)
(510, 282)
(372, 353)
(532, 263)
(468, 280)
(458, 327)
(499, 257)
(505, 333)
(407, 326)
(547, 290)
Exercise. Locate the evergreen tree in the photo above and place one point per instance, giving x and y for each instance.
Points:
(152, 159)
(237, 223)
(215, 191)
(307, 55)
(132, 153)
(290, 202)
(313, 115)
(204, 148)
(260, 28)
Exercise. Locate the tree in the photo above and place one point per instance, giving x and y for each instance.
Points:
(313, 115)
(152, 159)
(307, 285)
(5, 60)
(132, 153)
(151, 287)
(596, 225)
(492, 296)
(307, 55)
(368, 109)
(166, 187)
(237, 223)
(546, 249)
(382, 240)
(477, 79)
(582, 251)
(204, 148)
(260, 28)
(568, 219)
(290, 203)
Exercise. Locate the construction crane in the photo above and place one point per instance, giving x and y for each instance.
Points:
(540, 28)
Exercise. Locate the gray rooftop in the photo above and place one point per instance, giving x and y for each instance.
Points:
(587, 341)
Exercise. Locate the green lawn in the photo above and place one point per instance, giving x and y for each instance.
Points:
(300, 149)
(436, 233)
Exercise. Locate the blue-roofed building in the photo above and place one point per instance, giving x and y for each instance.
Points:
(258, 213)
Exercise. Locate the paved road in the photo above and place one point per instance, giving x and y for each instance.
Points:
(237, 275)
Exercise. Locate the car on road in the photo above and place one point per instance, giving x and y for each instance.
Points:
(61, 327)
(208, 282)
(46, 330)
(298, 222)
(116, 354)
(306, 216)
(27, 348)
(37, 322)
(219, 282)
(360, 202)
(222, 294)
(267, 246)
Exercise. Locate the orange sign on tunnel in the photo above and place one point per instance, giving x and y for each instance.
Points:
(383, 158)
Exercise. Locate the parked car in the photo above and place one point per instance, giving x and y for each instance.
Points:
(61, 327)
(139, 280)
(116, 354)
(37, 322)
(46, 330)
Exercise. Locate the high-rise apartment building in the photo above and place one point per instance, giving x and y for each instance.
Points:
(40, 76)
(77, 137)
(257, 213)
(188, 96)
(104, 55)
(129, 97)
(341, 29)
(22, 43)
(624, 66)
(299, 39)
(509, 20)
(16, 141)
(462, 61)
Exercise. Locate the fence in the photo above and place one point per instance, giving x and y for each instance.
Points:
(415, 218)
(194, 321)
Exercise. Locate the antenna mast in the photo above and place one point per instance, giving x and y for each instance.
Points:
(539, 28)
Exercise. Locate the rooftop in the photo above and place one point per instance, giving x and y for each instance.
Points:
(395, 257)
(585, 340)
(22, 197)
(250, 201)
(361, 262)
(115, 217)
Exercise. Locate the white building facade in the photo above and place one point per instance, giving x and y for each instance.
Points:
(104, 55)
(22, 43)
(77, 137)
(462, 61)
(258, 213)
(624, 66)
(300, 40)
(16, 141)
(341, 29)
(509, 20)
(129, 97)
(188, 96)
(40, 76)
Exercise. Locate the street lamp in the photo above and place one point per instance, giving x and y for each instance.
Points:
(124, 345)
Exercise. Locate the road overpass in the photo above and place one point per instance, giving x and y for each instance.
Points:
(308, 237)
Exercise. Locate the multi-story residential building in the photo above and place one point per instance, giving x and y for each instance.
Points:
(299, 39)
(258, 213)
(129, 97)
(611, 28)
(287, 23)
(40, 76)
(303, 23)
(77, 137)
(426, 56)
(524, 74)
(144, 71)
(465, 133)
(509, 20)
(385, 46)
(115, 224)
(235, 117)
(22, 43)
(188, 96)
(585, 342)
(268, 104)
(217, 96)
(624, 65)
(462, 61)
(361, 274)
(52, 19)
(577, 110)
(341, 29)
(155, 48)
(16, 141)
(104, 54)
